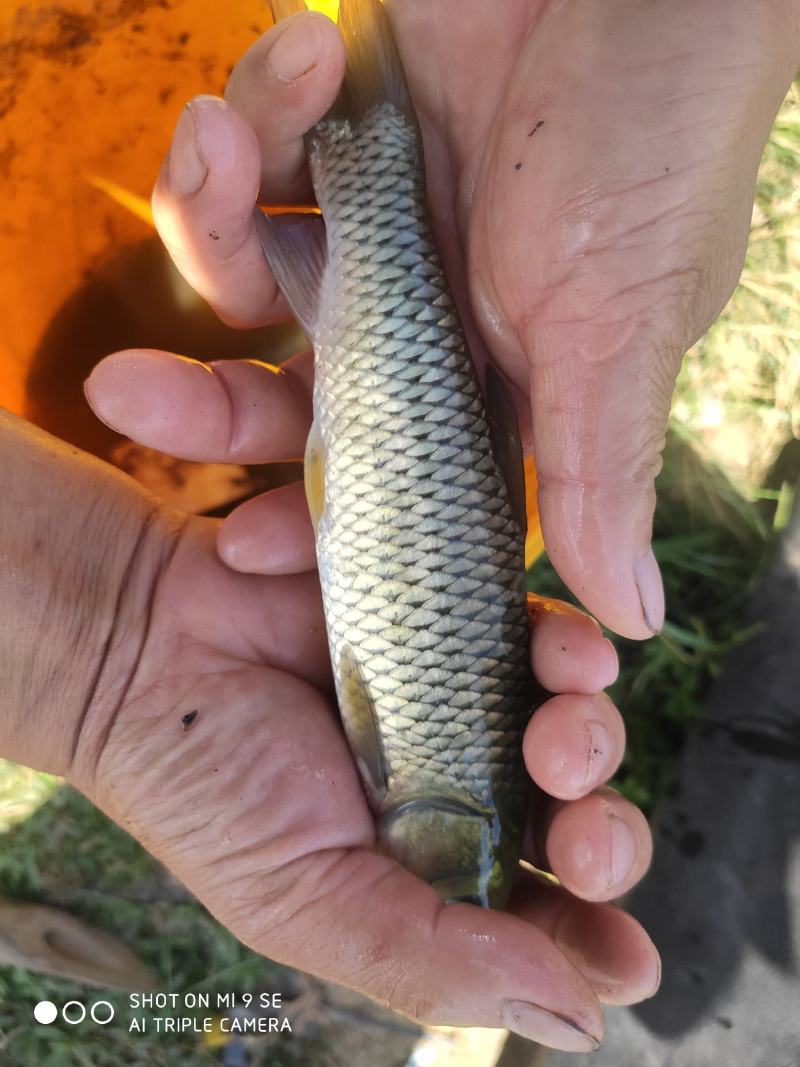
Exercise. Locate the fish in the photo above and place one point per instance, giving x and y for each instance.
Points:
(415, 482)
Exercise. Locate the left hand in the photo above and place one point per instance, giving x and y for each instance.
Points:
(258, 808)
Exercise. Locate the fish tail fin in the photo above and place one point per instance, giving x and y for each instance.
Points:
(282, 9)
(374, 72)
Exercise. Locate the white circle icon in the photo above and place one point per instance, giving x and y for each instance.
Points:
(67, 1018)
(45, 1012)
(109, 1014)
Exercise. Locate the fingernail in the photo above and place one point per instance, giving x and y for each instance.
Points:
(651, 590)
(186, 167)
(601, 750)
(296, 49)
(610, 670)
(547, 1027)
(623, 851)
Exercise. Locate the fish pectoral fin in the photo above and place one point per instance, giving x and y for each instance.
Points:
(296, 251)
(507, 442)
(361, 725)
(314, 474)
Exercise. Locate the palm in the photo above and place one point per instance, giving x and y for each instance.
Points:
(226, 758)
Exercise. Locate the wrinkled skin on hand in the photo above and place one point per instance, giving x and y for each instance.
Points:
(590, 171)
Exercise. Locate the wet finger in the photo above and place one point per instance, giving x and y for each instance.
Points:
(237, 411)
(573, 744)
(271, 534)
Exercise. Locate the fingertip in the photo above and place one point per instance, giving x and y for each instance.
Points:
(599, 846)
(140, 393)
(611, 949)
(598, 539)
(298, 67)
(569, 653)
(271, 534)
(574, 744)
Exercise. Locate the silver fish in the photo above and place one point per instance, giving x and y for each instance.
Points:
(417, 494)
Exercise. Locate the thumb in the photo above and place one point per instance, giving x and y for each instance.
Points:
(611, 224)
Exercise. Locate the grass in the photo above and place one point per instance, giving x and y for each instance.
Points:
(736, 404)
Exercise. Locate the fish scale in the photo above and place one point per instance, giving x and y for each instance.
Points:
(413, 458)
(417, 495)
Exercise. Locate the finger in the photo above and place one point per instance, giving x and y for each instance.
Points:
(271, 534)
(573, 744)
(281, 86)
(568, 651)
(598, 847)
(608, 946)
(232, 411)
(454, 964)
(205, 195)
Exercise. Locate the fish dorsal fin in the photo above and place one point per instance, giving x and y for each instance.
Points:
(296, 252)
(361, 725)
(507, 442)
(374, 72)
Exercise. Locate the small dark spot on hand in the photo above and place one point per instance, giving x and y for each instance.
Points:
(213, 235)
(188, 719)
(517, 166)
(563, 648)
(538, 126)
(666, 170)
(216, 769)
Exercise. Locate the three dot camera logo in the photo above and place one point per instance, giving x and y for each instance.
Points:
(74, 1012)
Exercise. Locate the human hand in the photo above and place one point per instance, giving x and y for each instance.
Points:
(594, 166)
(176, 406)
(256, 805)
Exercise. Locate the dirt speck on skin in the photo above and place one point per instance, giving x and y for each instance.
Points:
(537, 127)
(517, 166)
(189, 718)
(213, 235)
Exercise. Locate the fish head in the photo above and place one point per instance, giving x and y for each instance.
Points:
(452, 843)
